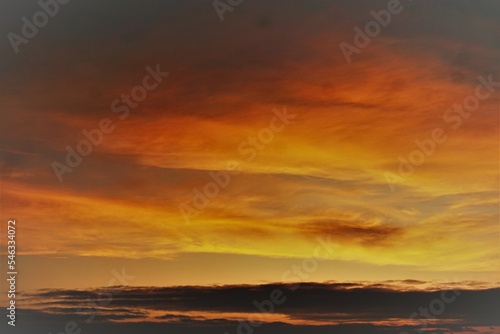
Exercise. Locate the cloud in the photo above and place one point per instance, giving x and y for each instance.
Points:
(324, 175)
(382, 306)
(359, 232)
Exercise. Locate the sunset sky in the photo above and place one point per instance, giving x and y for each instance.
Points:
(330, 175)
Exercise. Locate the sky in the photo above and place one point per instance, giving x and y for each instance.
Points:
(257, 142)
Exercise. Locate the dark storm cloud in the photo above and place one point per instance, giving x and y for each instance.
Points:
(55, 325)
(312, 301)
(343, 302)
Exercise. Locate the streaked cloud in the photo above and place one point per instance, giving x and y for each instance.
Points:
(343, 307)
(324, 175)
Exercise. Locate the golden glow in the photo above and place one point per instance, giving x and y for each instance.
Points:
(323, 176)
